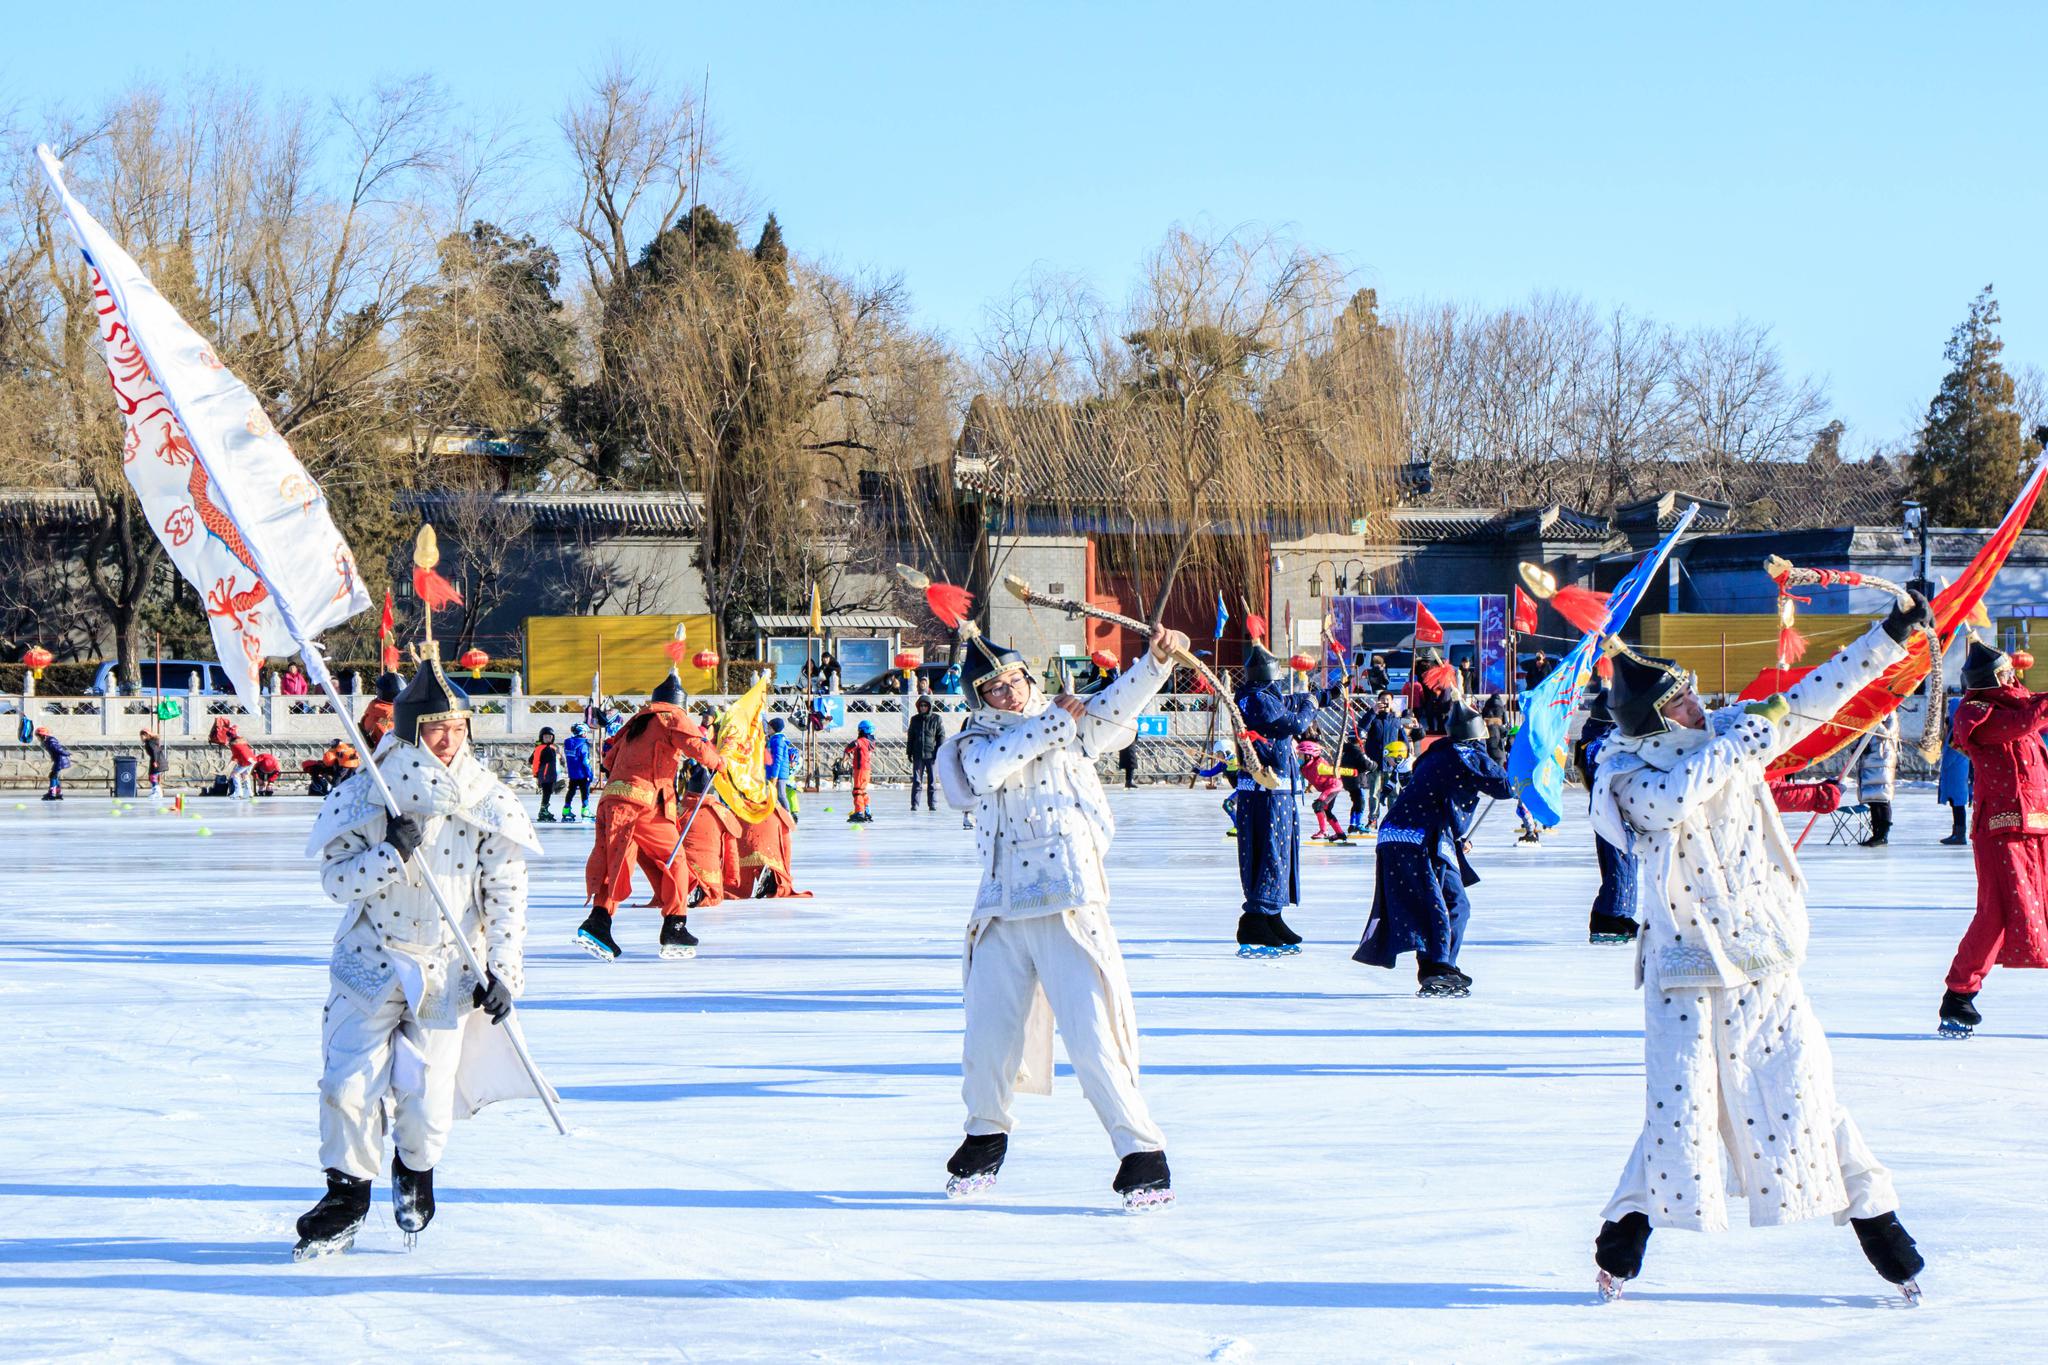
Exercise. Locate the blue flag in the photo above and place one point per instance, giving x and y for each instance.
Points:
(1536, 763)
(1222, 614)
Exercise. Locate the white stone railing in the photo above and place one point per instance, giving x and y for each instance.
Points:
(515, 716)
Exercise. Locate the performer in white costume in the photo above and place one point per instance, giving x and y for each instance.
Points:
(407, 1036)
(1040, 948)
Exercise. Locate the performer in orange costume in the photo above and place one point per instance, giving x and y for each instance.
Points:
(765, 848)
(376, 719)
(636, 815)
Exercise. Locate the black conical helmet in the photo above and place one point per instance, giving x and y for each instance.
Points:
(669, 689)
(389, 684)
(1639, 690)
(1262, 666)
(984, 660)
(428, 697)
(1463, 723)
(1981, 664)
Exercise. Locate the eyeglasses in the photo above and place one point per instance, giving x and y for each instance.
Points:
(1007, 682)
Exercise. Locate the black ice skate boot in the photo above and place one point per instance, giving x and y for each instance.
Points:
(1618, 1251)
(1605, 928)
(1891, 1252)
(1880, 824)
(1959, 1017)
(412, 1199)
(1283, 936)
(972, 1167)
(1255, 935)
(1435, 980)
(676, 939)
(330, 1225)
(1144, 1181)
(1959, 836)
(594, 936)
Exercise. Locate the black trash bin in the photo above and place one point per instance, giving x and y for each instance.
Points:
(124, 774)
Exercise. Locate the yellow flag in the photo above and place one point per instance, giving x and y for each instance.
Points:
(817, 614)
(743, 782)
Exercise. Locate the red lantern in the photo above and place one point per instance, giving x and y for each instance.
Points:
(474, 660)
(2022, 661)
(906, 661)
(1301, 663)
(705, 659)
(37, 659)
(1103, 660)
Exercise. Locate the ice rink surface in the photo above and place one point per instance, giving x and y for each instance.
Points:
(754, 1170)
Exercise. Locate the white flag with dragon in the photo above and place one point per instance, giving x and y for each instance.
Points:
(237, 512)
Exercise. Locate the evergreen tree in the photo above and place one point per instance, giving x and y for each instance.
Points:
(1967, 464)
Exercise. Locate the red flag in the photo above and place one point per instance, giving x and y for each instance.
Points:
(386, 651)
(1525, 613)
(1952, 609)
(1428, 630)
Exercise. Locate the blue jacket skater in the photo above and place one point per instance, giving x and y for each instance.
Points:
(1953, 788)
(1617, 895)
(576, 753)
(1419, 903)
(1268, 822)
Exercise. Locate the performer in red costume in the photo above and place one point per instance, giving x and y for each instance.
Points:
(636, 817)
(1998, 728)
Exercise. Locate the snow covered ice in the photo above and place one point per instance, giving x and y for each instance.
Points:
(755, 1169)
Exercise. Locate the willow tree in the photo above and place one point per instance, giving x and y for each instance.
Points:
(1242, 392)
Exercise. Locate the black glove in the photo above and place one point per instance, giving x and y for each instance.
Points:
(403, 833)
(1908, 617)
(697, 779)
(492, 998)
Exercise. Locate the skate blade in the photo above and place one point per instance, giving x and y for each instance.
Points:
(1610, 1288)
(412, 1239)
(594, 948)
(1610, 938)
(1910, 1291)
(1464, 994)
(1953, 1030)
(677, 952)
(313, 1251)
(1147, 1201)
(1256, 950)
(969, 1186)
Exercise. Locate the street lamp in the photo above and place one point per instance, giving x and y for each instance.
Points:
(1315, 578)
(1360, 582)
(1915, 516)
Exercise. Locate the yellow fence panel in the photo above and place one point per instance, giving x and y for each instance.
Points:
(1728, 651)
(562, 652)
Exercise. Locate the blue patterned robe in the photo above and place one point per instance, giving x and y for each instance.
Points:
(1419, 903)
(1268, 823)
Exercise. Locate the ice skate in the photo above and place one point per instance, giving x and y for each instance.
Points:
(1144, 1181)
(594, 936)
(677, 941)
(1618, 1251)
(1890, 1250)
(329, 1227)
(1284, 938)
(1255, 936)
(1959, 1017)
(412, 1199)
(972, 1168)
(1442, 983)
(1604, 928)
(546, 817)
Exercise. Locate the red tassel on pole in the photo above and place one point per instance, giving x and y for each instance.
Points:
(1583, 607)
(434, 590)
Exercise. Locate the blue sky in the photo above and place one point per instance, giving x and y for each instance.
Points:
(1848, 174)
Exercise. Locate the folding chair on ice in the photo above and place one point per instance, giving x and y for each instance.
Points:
(1852, 825)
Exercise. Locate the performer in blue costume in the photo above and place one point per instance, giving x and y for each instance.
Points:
(1419, 903)
(1614, 909)
(1268, 822)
